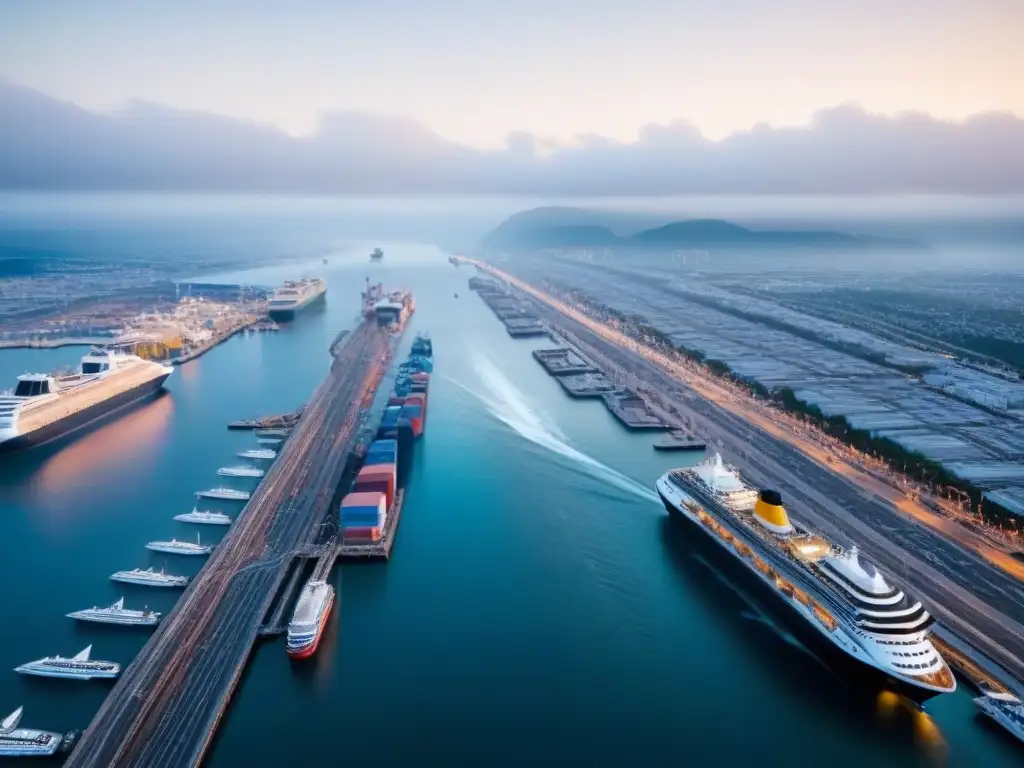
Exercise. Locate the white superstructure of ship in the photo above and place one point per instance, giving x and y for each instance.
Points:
(203, 517)
(117, 614)
(25, 742)
(78, 667)
(175, 547)
(309, 619)
(44, 407)
(1004, 709)
(840, 597)
(254, 472)
(225, 494)
(293, 296)
(149, 578)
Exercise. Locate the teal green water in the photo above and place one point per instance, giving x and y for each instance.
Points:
(537, 607)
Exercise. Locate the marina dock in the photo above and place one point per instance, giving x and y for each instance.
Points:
(168, 703)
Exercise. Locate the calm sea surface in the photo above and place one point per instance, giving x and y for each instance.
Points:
(538, 607)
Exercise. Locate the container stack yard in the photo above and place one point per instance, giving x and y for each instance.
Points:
(369, 514)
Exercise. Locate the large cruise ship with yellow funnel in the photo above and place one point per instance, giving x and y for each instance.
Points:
(841, 604)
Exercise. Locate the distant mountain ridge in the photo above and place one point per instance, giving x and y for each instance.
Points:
(541, 228)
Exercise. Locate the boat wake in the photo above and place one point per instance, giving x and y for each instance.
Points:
(510, 406)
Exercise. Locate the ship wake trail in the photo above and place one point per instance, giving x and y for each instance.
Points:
(510, 406)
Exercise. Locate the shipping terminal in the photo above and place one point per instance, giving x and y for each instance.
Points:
(167, 704)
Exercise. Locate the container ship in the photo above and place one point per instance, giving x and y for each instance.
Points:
(294, 296)
(369, 514)
(309, 619)
(45, 407)
(836, 601)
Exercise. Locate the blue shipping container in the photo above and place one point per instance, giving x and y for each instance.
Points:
(385, 443)
(372, 459)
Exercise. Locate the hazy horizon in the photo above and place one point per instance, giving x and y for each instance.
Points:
(556, 99)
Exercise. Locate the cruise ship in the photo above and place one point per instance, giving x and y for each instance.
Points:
(149, 578)
(45, 407)
(78, 667)
(204, 518)
(25, 742)
(175, 547)
(226, 494)
(294, 296)
(240, 472)
(1004, 709)
(258, 453)
(837, 601)
(310, 618)
(117, 614)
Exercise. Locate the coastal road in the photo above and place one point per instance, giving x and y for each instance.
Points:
(167, 704)
(979, 602)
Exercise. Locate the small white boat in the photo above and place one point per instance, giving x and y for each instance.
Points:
(269, 440)
(78, 667)
(240, 472)
(204, 518)
(258, 453)
(1004, 709)
(274, 432)
(175, 547)
(117, 614)
(227, 494)
(25, 742)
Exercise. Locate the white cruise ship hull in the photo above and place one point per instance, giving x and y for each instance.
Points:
(111, 618)
(287, 312)
(149, 582)
(25, 742)
(83, 674)
(835, 648)
(203, 520)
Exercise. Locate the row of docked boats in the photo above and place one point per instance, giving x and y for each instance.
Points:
(16, 741)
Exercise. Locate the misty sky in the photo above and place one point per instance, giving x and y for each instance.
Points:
(475, 70)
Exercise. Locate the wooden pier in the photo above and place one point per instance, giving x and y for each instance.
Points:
(281, 421)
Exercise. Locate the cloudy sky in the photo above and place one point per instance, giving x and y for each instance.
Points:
(475, 70)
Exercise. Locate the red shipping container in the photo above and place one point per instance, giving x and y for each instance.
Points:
(364, 534)
(396, 401)
(385, 485)
(378, 469)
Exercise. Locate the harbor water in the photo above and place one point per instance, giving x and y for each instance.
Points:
(539, 607)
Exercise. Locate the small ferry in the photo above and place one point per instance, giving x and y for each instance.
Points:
(273, 432)
(225, 494)
(310, 618)
(258, 453)
(25, 742)
(204, 518)
(175, 547)
(1004, 709)
(117, 614)
(78, 667)
(149, 578)
(240, 472)
(269, 440)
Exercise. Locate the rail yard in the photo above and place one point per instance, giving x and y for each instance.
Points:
(977, 600)
(165, 708)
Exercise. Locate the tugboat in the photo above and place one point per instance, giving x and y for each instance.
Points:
(376, 255)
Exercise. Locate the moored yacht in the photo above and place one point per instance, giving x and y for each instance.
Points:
(204, 518)
(25, 742)
(149, 578)
(258, 453)
(78, 667)
(175, 547)
(117, 614)
(1004, 709)
(225, 494)
(240, 472)
(839, 603)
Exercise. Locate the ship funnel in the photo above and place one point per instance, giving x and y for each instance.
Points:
(770, 513)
